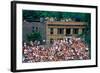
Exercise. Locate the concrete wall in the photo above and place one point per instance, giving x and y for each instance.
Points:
(28, 26)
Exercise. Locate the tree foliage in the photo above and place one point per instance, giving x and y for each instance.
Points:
(30, 15)
(87, 31)
(34, 36)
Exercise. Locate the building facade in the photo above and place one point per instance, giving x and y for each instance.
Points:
(54, 30)
(61, 30)
(29, 27)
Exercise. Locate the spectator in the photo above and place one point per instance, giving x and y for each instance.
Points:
(60, 50)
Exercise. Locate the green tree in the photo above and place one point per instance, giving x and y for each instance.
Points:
(86, 35)
(34, 36)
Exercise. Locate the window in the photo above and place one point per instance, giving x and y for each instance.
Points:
(51, 41)
(75, 30)
(36, 28)
(60, 31)
(59, 38)
(83, 30)
(51, 30)
(68, 31)
(32, 29)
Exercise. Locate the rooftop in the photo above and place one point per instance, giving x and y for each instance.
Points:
(66, 23)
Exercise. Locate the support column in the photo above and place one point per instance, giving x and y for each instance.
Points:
(55, 31)
(54, 34)
(64, 31)
(48, 31)
(71, 31)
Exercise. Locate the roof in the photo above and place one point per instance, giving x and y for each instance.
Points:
(66, 23)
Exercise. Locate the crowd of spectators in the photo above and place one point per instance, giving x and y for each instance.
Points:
(59, 50)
